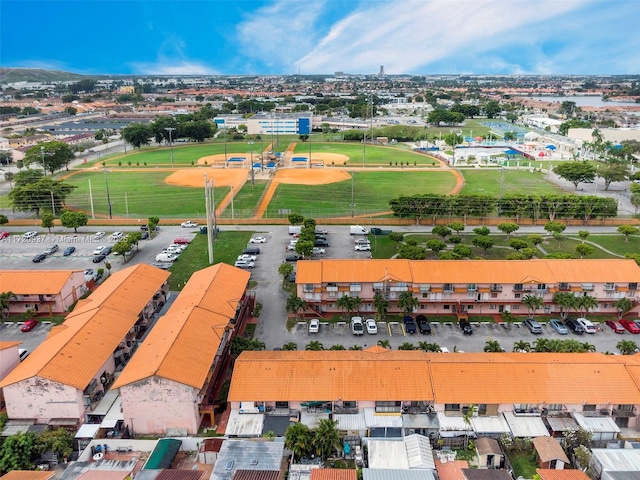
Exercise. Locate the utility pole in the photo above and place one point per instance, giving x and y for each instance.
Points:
(253, 180)
(93, 215)
(44, 168)
(353, 205)
(106, 181)
(210, 224)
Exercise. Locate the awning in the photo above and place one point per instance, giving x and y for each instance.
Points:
(114, 415)
(526, 426)
(163, 455)
(420, 420)
(382, 420)
(244, 424)
(105, 403)
(453, 426)
(311, 419)
(88, 430)
(351, 421)
(597, 424)
(550, 147)
(485, 425)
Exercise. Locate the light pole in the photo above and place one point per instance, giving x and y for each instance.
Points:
(253, 181)
(170, 129)
(44, 168)
(353, 205)
(106, 181)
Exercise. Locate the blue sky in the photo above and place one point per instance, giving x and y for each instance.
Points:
(322, 36)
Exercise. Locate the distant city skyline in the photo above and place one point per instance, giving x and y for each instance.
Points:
(321, 37)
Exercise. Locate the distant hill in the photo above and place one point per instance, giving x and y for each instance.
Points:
(12, 75)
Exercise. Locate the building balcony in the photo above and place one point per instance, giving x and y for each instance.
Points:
(529, 412)
(495, 288)
(624, 413)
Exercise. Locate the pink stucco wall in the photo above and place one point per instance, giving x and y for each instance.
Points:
(9, 359)
(42, 400)
(153, 405)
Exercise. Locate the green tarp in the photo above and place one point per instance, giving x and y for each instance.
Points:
(163, 455)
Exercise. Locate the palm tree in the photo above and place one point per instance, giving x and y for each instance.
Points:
(5, 297)
(566, 301)
(407, 302)
(357, 303)
(347, 305)
(623, 306)
(541, 345)
(337, 347)
(314, 345)
(586, 303)
(533, 302)
(407, 346)
(571, 346)
(326, 438)
(256, 345)
(290, 346)
(588, 347)
(627, 347)
(295, 305)
(521, 346)
(299, 439)
(381, 305)
(493, 346)
(429, 347)
(384, 343)
(355, 347)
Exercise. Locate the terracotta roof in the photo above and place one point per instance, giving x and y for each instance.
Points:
(468, 271)
(30, 282)
(257, 475)
(549, 449)
(451, 470)
(483, 474)
(548, 474)
(104, 475)
(176, 474)
(91, 333)
(333, 474)
(183, 344)
(28, 475)
(330, 375)
(5, 345)
(378, 374)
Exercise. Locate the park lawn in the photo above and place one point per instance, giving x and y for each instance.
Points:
(374, 155)
(616, 243)
(524, 465)
(246, 200)
(568, 245)
(487, 182)
(382, 246)
(371, 192)
(226, 248)
(145, 193)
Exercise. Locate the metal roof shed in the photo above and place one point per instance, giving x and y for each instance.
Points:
(163, 455)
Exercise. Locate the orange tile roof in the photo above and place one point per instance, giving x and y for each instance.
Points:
(333, 474)
(468, 271)
(28, 475)
(32, 282)
(91, 333)
(5, 345)
(330, 375)
(490, 378)
(451, 470)
(183, 343)
(548, 474)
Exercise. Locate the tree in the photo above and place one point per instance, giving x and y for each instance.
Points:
(483, 242)
(627, 347)
(583, 456)
(441, 230)
(456, 226)
(47, 220)
(348, 304)
(71, 111)
(436, 245)
(58, 441)
(159, 125)
(304, 247)
(8, 176)
(3, 219)
(381, 305)
(518, 244)
(584, 250)
(122, 247)
(521, 346)
(508, 228)
(290, 346)
(295, 218)
(627, 230)
(137, 134)
(566, 301)
(429, 347)
(71, 219)
(576, 172)
(384, 344)
(535, 238)
(586, 303)
(5, 297)
(326, 438)
(295, 305)
(555, 227)
(337, 347)
(6, 157)
(613, 172)
(396, 237)
(533, 302)
(463, 251)
(482, 231)
(493, 346)
(299, 440)
(407, 302)
(407, 346)
(18, 452)
(285, 269)
(623, 305)
(492, 108)
(583, 234)
(314, 345)
(45, 193)
(54, 154)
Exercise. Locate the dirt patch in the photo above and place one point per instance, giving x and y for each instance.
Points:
(194, 177)
(323, 157)
(310, 176)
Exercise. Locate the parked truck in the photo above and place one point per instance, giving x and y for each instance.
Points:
(358, 230)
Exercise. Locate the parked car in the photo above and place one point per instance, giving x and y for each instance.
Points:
(107, 250)
(423, 324)
(630, 325)
(362, 241)
(166, 257)
(39, 257)
(99, 258)
(99, 235)
(379, 231)
(181, 241)
(116, 236)
(259, 239)
(51, 250)
(357, 327)
(29, 325)
(247, 258)
(244, 264)
(409, 324)
(314, 325)
(291, 247)
(372, 326)
(588, 326)
(294, 257)
(68, 251)
(189, 224)
(558, 326)
(3, 235)
(99, 250)
(163, 266)
(532, 325)
(322, 231)
(466, 327)
(251, 251)
(144, 235)
(29, 235)
(615, 326)
(318, 251)
(362, 247)
(574, 326)
(319, 242)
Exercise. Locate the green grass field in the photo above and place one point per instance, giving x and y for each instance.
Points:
(246, 200)
(616, 243)
(371, 193)
(373, 156)
(488, 182)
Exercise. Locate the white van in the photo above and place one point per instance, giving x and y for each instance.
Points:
(166, 257)
(295, 229)
(358, 230)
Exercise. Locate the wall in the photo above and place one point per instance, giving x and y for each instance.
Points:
(42, 399)
(9, 359)
(153, 405)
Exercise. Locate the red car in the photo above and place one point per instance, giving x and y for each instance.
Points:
(29, 325)
(3, 235)
(630, 325)
(182, 241)
(615, 326)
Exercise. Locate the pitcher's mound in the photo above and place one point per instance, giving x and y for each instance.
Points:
(310, 176)
(194, 177)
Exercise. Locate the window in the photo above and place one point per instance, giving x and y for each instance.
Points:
(542, 286)
(563, 286)
(471, 294)
(516, 295)
(517, 287)
(349, 404)
(633, 286)
(378, 286)
(625, 408)
(388, 407)
(554, 407)
(589, 408)
(472, 287)
(425, 295)
(469, 307)
(451, 407)
(447, 287)
(515, 307)
(355, 287)
(425, 287)
(494, 295)
(332, 287)
(282, 404)
(308, 288)
(447, 307)
(492, 307)
(332, 294)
